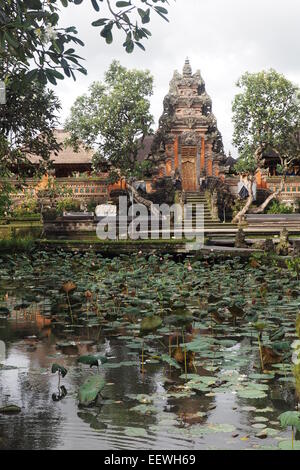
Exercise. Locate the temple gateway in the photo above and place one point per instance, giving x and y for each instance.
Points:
(188, 141)
(187, 146)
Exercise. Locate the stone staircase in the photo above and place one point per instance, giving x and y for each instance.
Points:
(210, 224)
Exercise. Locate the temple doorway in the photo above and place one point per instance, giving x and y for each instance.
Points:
(189, 182)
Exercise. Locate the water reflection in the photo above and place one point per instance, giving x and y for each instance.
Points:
(32, 340)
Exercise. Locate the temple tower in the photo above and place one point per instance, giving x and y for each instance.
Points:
(188, 131)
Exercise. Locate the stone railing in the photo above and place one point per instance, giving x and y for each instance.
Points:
(291, 188)
(81, 188)
(88, 188)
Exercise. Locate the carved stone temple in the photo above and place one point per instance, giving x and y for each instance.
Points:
(188, 141)
(187, 144)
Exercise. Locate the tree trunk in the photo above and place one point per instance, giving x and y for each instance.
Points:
(270, 198)
(138, 198)
(238, 218)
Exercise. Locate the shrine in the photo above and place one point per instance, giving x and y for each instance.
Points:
(188, 142)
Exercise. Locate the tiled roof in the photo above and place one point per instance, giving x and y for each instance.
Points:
(67, 155)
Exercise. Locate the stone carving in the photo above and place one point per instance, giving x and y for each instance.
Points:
(187, 69)
(264, 245)
(283, 246)
(188, 114)
(190, 138)
(240, 240)
(214, 206)
(191, 122)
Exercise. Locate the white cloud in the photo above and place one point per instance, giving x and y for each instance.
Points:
(223, 38)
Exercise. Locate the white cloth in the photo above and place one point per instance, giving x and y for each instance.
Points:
(243, 183)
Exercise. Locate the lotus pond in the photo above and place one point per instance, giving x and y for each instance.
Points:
(145, 353)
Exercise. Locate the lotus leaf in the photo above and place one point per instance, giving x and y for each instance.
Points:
(150, 324)
(91, 388)
(251, 393)
(290, 418)
(57, 368)
(10, 409)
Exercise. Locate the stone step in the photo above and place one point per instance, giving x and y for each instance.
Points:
(197, 202)
(196, 199)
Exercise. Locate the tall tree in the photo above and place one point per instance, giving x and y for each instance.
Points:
(27, 121)
(30, 33)
(114, 117)
(266, 117)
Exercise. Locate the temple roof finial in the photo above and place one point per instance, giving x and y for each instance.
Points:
(187, 69)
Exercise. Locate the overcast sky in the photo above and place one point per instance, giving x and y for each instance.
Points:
(222, 38)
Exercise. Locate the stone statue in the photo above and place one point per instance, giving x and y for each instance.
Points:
(240, 240)
(284, 245)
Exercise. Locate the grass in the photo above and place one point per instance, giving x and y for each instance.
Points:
(17, 245)
(96, 241)
(22, 218)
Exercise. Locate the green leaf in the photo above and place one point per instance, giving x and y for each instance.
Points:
(290, 418)
(288, 445)
(7, 409)
(140, 45)
(249, 392)
(135, 432)
(298, 326)
(33, 4)
(57, 74)
(150, 324)
(11, 40)
(170, 361)
(57, 368)
(91, 388)
(107, 34)
(123, 4)
(95, 5)
(88, 360)
(129, 46)
(100, 22)
(161, 10)
(146, 17)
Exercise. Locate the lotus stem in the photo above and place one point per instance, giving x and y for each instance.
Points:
(260, 353)
(185, 363)
(143, 359)
(170, 346)
(185, 358)
(70, 308)
(99, 333)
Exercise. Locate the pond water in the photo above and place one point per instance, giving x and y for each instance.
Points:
(200, 385)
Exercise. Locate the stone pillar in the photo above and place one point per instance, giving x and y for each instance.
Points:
(176, 159)
(162, 170)
(209, 159)
(202, 159)
(179, 156)
(198, 163)
(169, 167)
